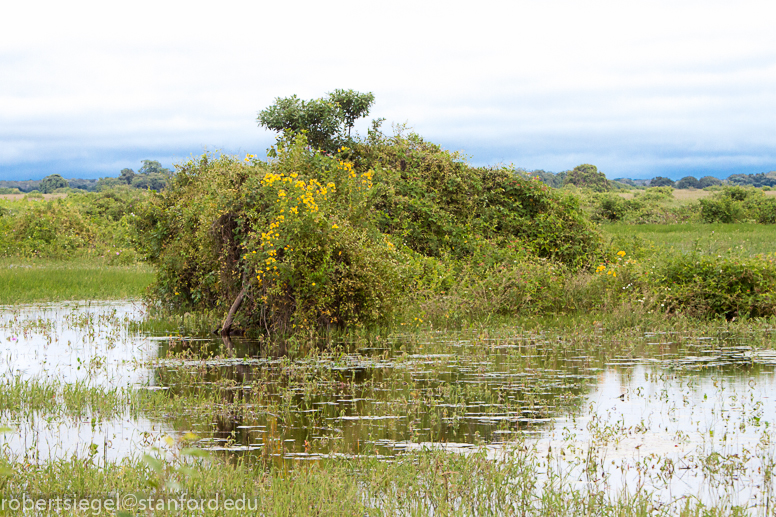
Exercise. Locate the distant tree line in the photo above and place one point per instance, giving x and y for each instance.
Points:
(588, 176)
(151, 175)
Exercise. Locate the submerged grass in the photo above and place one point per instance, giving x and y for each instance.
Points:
(29, 281)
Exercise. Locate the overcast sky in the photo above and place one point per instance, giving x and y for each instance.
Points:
(639, 89)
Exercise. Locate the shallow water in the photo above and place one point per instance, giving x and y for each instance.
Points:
(668, 412)
(76, 342)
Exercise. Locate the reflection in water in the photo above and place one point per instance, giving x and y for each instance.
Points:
(87, 344)
(693, 406)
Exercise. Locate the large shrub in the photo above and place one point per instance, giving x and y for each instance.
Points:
(312, 239)
(737, 204)
(439, 205)
(587, 176)
(294, 233)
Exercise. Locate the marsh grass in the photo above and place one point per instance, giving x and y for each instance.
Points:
(25, 398)
(28, 281)
(426, 482)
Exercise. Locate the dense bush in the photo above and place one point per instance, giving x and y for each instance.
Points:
(688, 182)
(738, 204)
(661, 181)
(51, 183)
(705, 285)
(587, 176)
(315, 240)
(88, 224)
(651, 206)
(709, 181)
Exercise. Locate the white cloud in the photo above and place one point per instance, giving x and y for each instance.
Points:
(630, 87)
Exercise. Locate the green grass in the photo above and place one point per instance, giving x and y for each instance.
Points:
(745, 238)
(48, 281)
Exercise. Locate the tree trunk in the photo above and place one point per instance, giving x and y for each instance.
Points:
(227, 326)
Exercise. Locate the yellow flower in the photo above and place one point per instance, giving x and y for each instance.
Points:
(621, 253)
(334, 226)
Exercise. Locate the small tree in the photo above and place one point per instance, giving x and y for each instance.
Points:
(661, 181)
(151, 167)
(327, 121)
(709, 181)
(587, 176)
(50, 183)
(688, 182)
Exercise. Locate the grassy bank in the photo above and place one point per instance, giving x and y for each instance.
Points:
(49, 280)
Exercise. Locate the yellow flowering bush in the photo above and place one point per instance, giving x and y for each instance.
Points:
(294, 232)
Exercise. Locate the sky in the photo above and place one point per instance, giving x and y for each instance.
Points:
(639, 89)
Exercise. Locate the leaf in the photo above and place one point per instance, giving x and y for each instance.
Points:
(198, 453)
(154, 463)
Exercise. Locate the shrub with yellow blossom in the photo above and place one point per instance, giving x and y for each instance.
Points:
(295, 231)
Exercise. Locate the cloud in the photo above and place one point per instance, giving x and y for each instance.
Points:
(638, 89)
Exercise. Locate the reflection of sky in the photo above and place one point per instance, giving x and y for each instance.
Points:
(85, 341)
(681, 416)
(639, 89)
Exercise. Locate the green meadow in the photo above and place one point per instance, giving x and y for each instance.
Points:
(50, 281)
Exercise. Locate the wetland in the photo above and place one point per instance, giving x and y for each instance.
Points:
(680, 413)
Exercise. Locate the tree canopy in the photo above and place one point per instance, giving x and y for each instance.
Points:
(327, 121)
(587, 176)
(50, 183)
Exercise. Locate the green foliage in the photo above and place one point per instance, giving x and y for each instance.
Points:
(707, 285)
(653, 205)
(688, 182)
(322, 240)
(587, 176)
(294, 231)
(738, 204)
(440, 207)
(327, 122)
(126, 175)
(611, 207)
(661, 181)
(554, 180)
(752, 180)
(150, 181)
(656, 194)
(89, 224)
(153, 167)
(50, 183)
(709, 181)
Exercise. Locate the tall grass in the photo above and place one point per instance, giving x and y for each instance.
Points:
(46, 281)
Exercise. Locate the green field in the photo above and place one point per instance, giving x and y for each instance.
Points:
(47, 281)
(748, 239)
